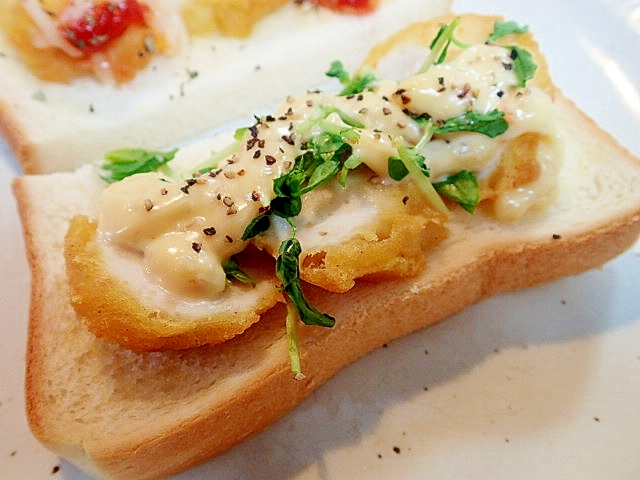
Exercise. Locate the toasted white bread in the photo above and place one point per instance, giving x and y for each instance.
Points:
(56, 127)
(119, 414)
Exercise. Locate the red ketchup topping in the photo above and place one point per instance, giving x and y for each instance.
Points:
(350, 6)
(102, 23)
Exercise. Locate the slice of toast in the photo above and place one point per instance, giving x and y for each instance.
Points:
(56, 127)
(119, 414)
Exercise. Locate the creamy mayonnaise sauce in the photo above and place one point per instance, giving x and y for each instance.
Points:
(185, 231)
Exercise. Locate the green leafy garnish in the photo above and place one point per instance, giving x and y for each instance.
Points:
(462, 188)
(216, 157)
(523, 65)
(359, 83)
(413, 164)
(124, 162)
(258, 225)
(292, 340)
(234, 272)
(439, 47)
(490, 124)
(501, 29)
(396, 168)
(288, 272)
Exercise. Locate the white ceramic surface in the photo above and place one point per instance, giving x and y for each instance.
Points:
(543, 383)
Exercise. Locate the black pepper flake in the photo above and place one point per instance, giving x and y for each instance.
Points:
(251, 143)
(148, 205)
(269, 159)
(556, 236)
(500, 94)
(209, 231)
(288, 139)
(360, 97)
(255, 196)
(91, 108)
(386, 111)
(227, 201)
(465, 90)
(405, 199)
(189, 183)
(232, 210)
(397, 450)
(363, 110)
(309, 103)
(215, 173)
(289, 111)
(385, 98)
(514, 54)
(241, 172)
(507, 66)
(163, 191)
(270, 118)
(228, 238)
(55, 469)
(257, 154)
(197, 247)
(253, 130)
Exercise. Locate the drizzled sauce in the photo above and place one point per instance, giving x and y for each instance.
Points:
(183, 232)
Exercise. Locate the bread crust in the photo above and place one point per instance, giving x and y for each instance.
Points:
(203, 401)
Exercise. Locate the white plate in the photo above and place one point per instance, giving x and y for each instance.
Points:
(543, 383)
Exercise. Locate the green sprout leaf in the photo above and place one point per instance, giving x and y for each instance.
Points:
(288, 272)
(124, 162)
(462, 188)
(234, 272)
(523, 65)
(413, 164)
(501, 29)
(490, 124)
(439, 46)
(258, 225)
(358, 84)
(396, 169)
